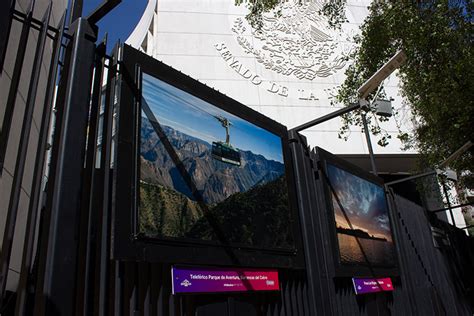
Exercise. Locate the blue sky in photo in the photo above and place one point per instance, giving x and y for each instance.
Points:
(120, 22)
(194, 117)
(363, 201)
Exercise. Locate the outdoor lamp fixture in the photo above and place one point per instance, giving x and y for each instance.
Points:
(380, 75)
(381, 107)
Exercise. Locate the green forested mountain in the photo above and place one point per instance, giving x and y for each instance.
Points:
(258, 217)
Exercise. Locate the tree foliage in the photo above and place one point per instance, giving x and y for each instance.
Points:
(437, 81)
(334, 10)
(256, 10)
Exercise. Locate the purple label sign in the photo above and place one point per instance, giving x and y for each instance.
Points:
(364, 286)
(207, 280)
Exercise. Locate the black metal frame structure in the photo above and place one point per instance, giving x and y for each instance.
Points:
(348, 270)
(23, 148)
(16, 75)
(6, 13)
(127, 245)
(69, 235)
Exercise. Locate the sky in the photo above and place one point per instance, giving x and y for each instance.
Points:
(364, 202)
(192, 116)
(120, 22)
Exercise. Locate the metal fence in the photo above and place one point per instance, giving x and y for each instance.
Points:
(66, 268)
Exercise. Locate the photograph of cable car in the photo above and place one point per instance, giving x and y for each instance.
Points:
(208, 175)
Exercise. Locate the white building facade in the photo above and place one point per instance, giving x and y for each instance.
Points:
(289, 70)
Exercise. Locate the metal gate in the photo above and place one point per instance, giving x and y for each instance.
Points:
(66, 267)
(65, 231)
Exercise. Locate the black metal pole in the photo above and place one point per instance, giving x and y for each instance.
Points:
(58, 290)
(6, 8)
(417, 176)
(369, 143)
(89, 218)
(15, 192)
(106, 157)
(326, 117)
(102, 10)
(312, 236)
(76, 10)
(15, 82)
(445, 191)
(452, 207)
(35, 195)
(45, 218)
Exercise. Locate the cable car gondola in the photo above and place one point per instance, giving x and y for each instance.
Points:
(224, 152)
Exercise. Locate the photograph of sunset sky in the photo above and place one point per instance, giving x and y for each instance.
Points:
(361, 212)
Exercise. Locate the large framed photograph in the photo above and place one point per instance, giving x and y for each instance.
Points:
(200, 177)
(359, 219)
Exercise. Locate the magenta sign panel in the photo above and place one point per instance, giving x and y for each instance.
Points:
(364, 286)
(209, 280)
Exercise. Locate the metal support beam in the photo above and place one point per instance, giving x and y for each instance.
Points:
(445, 191)
(456, 154)
(15, 191)
(15, 82)
(35, 195)
(312, 236)
(106, 156)
(104, 8)
(57, 290)
(417, 176)
(369, 143)
(90, 215)
(326, 117)
(455, 206)
(35, 23)
(6, 12)
(76, 10)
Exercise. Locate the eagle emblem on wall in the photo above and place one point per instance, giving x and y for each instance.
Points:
(296, 42)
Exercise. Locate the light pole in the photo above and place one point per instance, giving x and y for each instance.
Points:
(369, 143)
(383, 107)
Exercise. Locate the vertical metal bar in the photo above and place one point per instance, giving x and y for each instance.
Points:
(445, 191)
(96, 219)
(309, 222)
(15, 192)
(76, 10)
(45, 221)
(88, 214)
(15, 82)
(402, 258)
(58, 290)
(32, 215)
(105, 164)
(6, 8)
(369, 143)
(118, 295)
